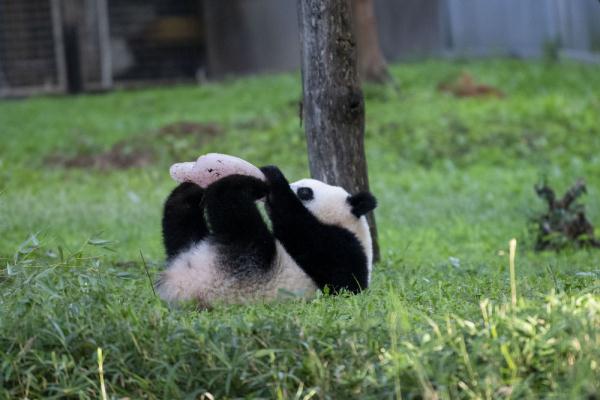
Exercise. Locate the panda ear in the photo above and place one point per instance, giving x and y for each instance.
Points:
(361, 203)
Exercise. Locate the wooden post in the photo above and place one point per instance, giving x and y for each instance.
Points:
(333, 105)
(59, 45)
(106, 77)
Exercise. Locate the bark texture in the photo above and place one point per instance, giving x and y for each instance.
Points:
(371, 62)
(333, 106)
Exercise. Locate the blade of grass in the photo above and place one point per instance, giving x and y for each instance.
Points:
(101, 373)
(147, 272)
(513, 279)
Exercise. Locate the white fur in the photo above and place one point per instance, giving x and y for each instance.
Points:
(197, 275)
(289, 278)
(193, 275)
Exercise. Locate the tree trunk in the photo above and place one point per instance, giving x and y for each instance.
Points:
(371, 62)
(333, 106)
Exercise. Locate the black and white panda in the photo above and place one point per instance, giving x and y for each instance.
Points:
(220, 250)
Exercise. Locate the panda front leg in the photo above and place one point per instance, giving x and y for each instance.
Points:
(236, 223)
(329, 254)
(183, 221)
(283, 204)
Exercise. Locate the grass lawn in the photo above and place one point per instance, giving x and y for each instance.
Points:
(454, 178)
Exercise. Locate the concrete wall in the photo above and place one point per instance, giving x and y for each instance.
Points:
(410, 28)
(268, 38)
(248, 36)
(522, 28)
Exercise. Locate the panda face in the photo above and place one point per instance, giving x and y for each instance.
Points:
(333, 205)
(326, 202)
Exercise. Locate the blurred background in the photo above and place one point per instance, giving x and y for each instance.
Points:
(71, 46)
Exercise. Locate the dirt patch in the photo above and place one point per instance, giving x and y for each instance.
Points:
(187, 128)
(122, 155)
(172, 141)
(466, 86)
(259, 124)
(565, 222)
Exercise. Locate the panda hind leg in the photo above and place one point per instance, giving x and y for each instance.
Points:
(183, 222)
(237, 225)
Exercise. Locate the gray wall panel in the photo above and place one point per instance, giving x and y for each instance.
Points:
(521, 27)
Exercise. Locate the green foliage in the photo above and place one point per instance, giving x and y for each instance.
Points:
(454, 180)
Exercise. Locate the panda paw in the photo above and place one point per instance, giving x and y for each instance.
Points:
(274, 176)
(236, 184)
(186, 193)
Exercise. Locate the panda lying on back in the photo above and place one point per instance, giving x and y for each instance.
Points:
(219, 249)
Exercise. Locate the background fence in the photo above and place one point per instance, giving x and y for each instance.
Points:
(74, 45)
(30, 48)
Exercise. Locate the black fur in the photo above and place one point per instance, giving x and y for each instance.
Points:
(183, 220)
(236, 224)
(362, 203)
(330, 255)
(305, 194)
(232, 220)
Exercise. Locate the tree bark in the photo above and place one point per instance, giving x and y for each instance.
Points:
(333, 106)
(371, 62)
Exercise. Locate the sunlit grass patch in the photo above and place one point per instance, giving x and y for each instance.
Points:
(383, 342)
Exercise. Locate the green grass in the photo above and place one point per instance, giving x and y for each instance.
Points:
(454, 179)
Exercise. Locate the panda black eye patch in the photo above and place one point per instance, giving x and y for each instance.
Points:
(305, 194)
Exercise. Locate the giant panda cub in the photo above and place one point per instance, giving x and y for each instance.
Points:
(220, 250)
